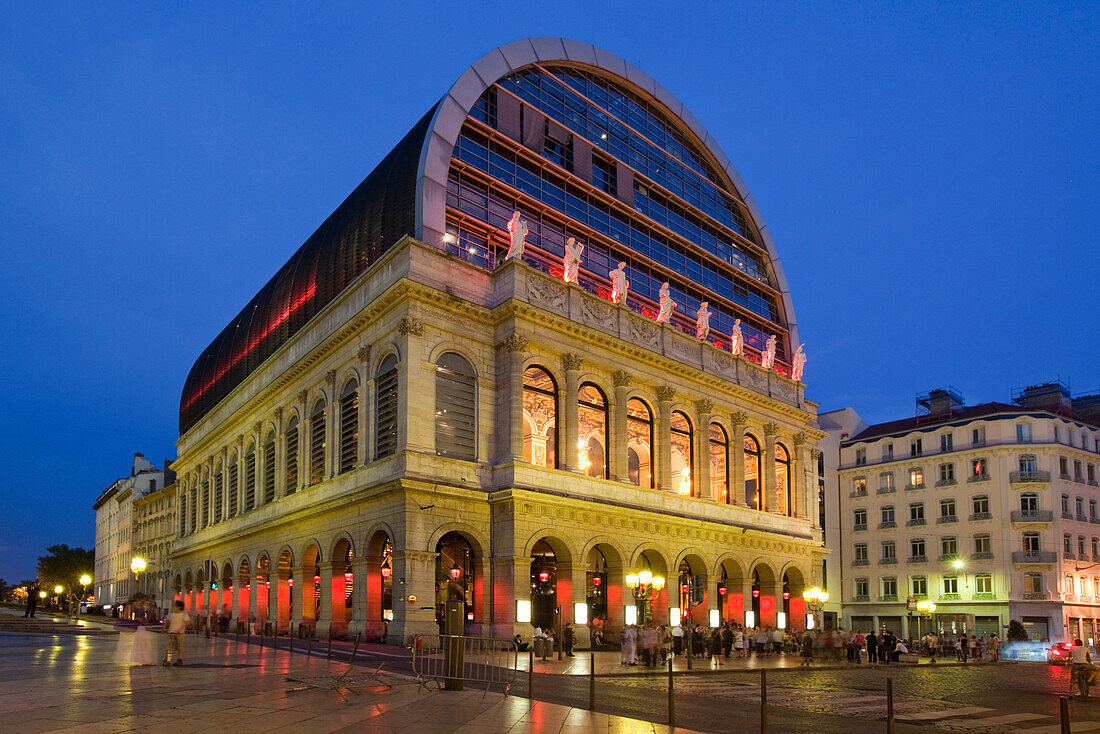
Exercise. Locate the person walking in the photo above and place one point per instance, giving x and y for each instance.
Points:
(175, 625)
(32, 599)
(568, 639)
(994, 648)
(627, 641)
(677, 640)
(727, 640)
(716, 645)
(858, 647)
(872, 648)
(807, 649)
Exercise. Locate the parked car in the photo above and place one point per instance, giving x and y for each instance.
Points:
(1058, 653)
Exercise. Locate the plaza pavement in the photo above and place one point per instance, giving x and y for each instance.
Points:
(60, 683)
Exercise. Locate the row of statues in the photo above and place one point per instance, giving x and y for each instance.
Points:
(620, 286)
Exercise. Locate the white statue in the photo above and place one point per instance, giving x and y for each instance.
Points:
(572, 259)
(664, 315)
(702, 321)
(737, 339)
(767, 359)
(619, 284)
(517, 229)
(798, 363)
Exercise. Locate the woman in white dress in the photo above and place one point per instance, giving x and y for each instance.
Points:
(143, 651)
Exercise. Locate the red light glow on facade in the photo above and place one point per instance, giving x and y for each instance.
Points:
(386, 571)
(544, 576)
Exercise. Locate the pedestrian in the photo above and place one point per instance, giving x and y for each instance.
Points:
(859, 641)
(677, 640)
(32, 599)
(716, 646)
(994, 648)
(933, 646)
(761, 640)
(175, 625)
(807, 649)
(872, 648)
(567, 639)
(142, 651)
(727, 640)
(975, 650)
(960, 649)
(777, 641)
(627, 638)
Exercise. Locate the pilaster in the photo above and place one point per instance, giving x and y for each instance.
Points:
(567, 452)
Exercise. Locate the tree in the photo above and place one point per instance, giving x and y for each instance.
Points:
(1016, 630)
(65, 566)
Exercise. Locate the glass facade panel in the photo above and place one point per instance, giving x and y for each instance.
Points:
(540, 409)
(592, 431)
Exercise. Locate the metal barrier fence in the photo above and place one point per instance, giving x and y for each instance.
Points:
(451, 660)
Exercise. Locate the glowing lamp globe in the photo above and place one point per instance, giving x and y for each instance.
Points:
(456, 572)
(544, 576)
(386, 572)
(85, 580)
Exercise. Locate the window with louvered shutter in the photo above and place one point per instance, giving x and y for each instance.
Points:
(194, 509)
(455, 408)
(232, 511)
(250, 479)
(385, 408)
(205, 502)
(269, 469)
(183, 515)
(292, 456)
(218, 494)
(349, 427)
(317, 443)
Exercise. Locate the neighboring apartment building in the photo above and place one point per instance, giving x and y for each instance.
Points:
(405, 416)
(114, 543)
(153, 531)
(989, 511)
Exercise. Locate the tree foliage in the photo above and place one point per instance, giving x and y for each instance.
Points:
(65, 566)
(1016, 630)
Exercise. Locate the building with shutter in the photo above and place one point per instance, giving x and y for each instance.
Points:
(404, 415)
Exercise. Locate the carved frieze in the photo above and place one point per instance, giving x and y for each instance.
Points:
(784, 390)
(410, 326)
(755, 378)
(515, 343)
(621, 378)
(599, 313)
(644, 332)
(548, 294)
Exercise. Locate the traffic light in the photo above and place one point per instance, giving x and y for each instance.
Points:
(696, 590)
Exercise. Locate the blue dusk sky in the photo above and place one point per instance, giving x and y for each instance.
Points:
(928, 171)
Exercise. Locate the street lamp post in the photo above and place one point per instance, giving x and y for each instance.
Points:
(137, 565)
(926, 609)
(58, 591)
(815, 599)
(645, 587)
(84, 581)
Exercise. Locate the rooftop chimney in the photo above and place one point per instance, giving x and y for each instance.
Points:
(1050, 396)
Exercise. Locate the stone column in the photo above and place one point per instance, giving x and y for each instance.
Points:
(737, 460)
(701, 483)
(417, 569)
(568, 427)
(662, 439)
(360, 569)
(332, 415)
(619, 469)
(365, 385)
(324, 616)
(511, 582)
(510, 412)
(799, 480)
(767, 468)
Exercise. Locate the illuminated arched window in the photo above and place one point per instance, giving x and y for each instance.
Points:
(753, 496)
(540, 412)
(592, 431)
(291, 444)
(783, 480)
(681, 453)
(455, 407)
(639, 443)
(317, 443)
(349, 426)
(719, 464)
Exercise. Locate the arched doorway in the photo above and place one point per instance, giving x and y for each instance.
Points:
(343, 587)
(596, 587)
(454, 575)
(763, 595)
(263, 588)
(544, 585)
(311, 589)
(794, 586)
(378, 585)
(691, 590)
(284, 592)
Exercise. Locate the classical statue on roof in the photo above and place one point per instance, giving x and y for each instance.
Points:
(737, 339)
(619, 284)
(517, 230)
(797, 364)
(767, 359)
(702, 321)
(664, 312)
(571, 261)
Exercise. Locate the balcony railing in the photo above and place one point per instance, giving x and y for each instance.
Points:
(888, 597)
(1026, 477)
(983, 595)
(1094, 520)
(947, 557)
(861, 562)
(853, 495)
(1081, 517)
(1036, 595)
(945, 482)
(888, 561)
(918, 559)
(1063, 476)
(861, 597)
(887, 524)
(1032, 516)
(1068, 555)
(977, 478)
(1067, 515)
(859, 526)
(946, 518)
(981, 516)
(949, 597)
(913, 522)
(982, 556)
(887, 490)
(1034, 557)
(911, 487)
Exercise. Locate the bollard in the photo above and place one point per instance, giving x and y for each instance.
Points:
(354, 649)
(591, 681)
(561, 638)
(1063, 712)
(671, 698)
(763, 701)
(889, 706)
(290, 635)
(330, 642)
(531, 674)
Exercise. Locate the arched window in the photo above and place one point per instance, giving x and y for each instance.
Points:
(719, 464)
(205, 500)
(218, 493)
(269, 468)
(194, 509)
(540, 414)
(291, 446)
(753, 496)
(639, 443)
(349, 426)
(231, 481)
(681, 453)
(783, 480)
(317, 443)
(183, 514)
(385, 408)
(455, 407)
(592, 431)
(250, 477)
